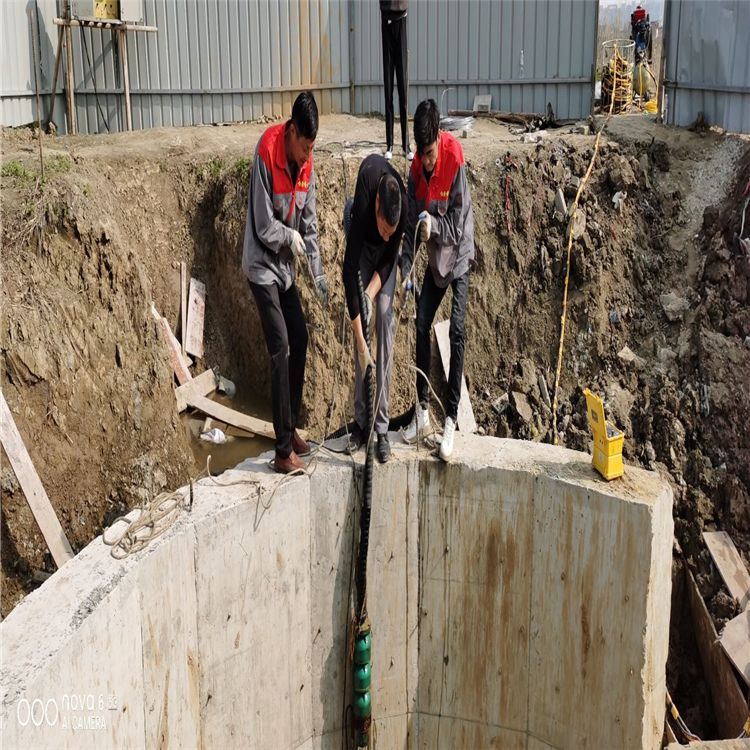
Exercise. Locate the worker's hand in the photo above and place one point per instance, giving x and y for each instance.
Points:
(298, 245)
(365, 358)
(322, 289)
(368, 309)
(426, 226)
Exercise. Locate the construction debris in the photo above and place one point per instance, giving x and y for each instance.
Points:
(202, 385)
(674, 306)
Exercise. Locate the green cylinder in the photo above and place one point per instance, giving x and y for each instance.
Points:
(363, 649)
(362, 705)
(362, 678)
(361, 739)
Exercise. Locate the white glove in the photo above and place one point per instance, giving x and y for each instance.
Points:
(368, 305)
(298, 245)
(365, 359)
(426, 227)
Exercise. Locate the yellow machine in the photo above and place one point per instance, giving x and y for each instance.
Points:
(608, 440)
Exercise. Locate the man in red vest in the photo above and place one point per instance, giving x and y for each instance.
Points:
(439, 199)
(282, 227)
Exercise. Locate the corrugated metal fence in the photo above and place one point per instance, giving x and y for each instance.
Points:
(707, 48)
(232, 60)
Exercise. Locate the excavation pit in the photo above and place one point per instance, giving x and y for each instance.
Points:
(517, 601)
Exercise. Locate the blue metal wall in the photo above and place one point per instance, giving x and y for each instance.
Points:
(707, 48)
(218, 61)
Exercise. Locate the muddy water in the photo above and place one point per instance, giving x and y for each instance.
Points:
(236, 449)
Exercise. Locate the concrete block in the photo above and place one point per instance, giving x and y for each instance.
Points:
(476, 582)
(333, 529)
(592, 618)
(432, 732)
(253, 592)
(169, 630)
(98, 666)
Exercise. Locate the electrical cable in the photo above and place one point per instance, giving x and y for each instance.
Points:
(567, 262)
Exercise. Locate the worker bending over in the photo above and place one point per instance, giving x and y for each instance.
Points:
(281, 227)
(439, 200)
(374, 221)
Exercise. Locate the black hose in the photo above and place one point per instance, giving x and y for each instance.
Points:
(364, 519)
(394, 424)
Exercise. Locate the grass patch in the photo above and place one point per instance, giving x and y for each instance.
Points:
(242, 168)
(12, 168)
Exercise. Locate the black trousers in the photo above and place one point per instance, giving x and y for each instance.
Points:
(395, 57)
(429, 301)
(285, 331)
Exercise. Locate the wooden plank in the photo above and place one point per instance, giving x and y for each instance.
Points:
(466, 421)
(202, 385)
(196, 313)
(729, 703)
(70, 82)
(126, 78)
(235, 418)
(735, 640)
(179, 364)
(729, 564)
(183, 309)
(44, 513)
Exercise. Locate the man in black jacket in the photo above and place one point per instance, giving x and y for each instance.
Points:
(394, 26)
(374, 221)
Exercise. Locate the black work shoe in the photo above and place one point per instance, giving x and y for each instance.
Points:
(355, 440)
(384, 448)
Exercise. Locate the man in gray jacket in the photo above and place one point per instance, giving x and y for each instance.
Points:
(440, 202)
(281, 227)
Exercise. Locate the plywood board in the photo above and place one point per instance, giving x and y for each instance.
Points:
(201, 385)
(730, 565)
(179, 364)
(230, 416)
(195, 315)
(44, 513)
(735, 640)
(466, 421)
(183, 309)
(729, 703)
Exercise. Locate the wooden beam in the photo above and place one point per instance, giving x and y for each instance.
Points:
(126, 78)
(234, 418)
(735, 640)
(44, 513)
(71, 82)
(183, 309)
(178, 363)
(196, 315)
(466, 422)
(202, 385)
(729, 564)
(729, 703)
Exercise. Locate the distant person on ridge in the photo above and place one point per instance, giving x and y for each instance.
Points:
(394, 27)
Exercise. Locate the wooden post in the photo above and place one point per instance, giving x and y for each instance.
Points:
(54, 78)
(36, 86)
(126, 78)
(71, 84)
(44, 513)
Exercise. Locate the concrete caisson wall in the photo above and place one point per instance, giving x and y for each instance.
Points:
(517, 601)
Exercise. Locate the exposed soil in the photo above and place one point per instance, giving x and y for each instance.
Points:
(89, 380)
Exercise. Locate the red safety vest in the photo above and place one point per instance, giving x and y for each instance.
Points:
(449, 161)
(285, 194)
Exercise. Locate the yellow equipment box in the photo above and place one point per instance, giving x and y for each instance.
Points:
(608, 440)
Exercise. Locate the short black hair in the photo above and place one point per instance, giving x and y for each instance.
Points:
(305, 116)
(389, 193)
(426, 124)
